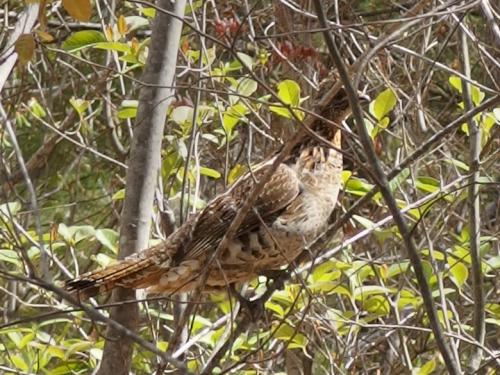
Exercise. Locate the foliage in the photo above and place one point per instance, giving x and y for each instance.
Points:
(73, 101)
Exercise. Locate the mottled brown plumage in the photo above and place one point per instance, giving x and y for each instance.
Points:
(293, 209)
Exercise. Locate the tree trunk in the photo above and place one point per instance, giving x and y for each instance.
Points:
(143, 167)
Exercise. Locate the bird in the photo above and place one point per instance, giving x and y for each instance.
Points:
(292, 209)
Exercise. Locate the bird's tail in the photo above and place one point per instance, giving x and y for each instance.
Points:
(128, 273)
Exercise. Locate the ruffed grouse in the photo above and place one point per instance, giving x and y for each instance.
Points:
(293, 209)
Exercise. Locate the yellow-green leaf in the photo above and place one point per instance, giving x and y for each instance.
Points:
(233, 115)
(19, 363)
(237, 171)
(209, 172)
(459, 272)
(113, 46)
(456, 83)
(108, 238)
(246, 86)
(82, 39)
(383, 104)
(426, 369)
(289, 92)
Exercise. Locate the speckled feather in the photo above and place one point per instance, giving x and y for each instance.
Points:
(291, 211)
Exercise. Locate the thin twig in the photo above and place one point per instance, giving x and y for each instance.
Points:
(94, 314)
(382, 182)
(474, 215)
(491, 21)
(44, 260)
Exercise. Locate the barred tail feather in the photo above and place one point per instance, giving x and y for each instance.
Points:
(128, 273)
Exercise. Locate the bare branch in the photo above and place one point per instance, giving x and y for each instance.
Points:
(143, 171)
(474, 207)
(381, 180)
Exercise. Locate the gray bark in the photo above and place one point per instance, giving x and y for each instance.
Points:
(143, 167)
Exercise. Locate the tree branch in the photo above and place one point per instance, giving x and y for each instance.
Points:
(98, 316)
(381, 180)
(154, 99)
(474, 215)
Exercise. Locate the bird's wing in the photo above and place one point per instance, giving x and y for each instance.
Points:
(198, 237)
(279, 191)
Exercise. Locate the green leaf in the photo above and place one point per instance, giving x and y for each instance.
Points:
(246, 86)
(108, 238)
(182, 114)
(281, 111)
(396, 181)
(128, 109)
(477, 95)
(345, 176)
(15, 337)
(19, 363)
(82, 231)
(457, 163)
(113, 46)
(80, 105)
(75, 233)
(436, 254)
(289, 92)
(370, 127)
(427, 184)
(290, 334)
(284, 297)
(324, 278)
(426, 369)
(367, 223)
(408, 298)
(136, 22)
(397, 268)
(493, 262)
(36, 108)
(148, 12)
(456, 83)
(459, 272)
(275, 307)
(236, 172)
(233, 115)
(383, 104)
(26, 340)
(246, 60)
(368, 290)
(358, 186)
(209, 172)
(82, 39)
(493, 321)
(126, 113)
(428, 272)
(384, 123)
(326, 271)
(9, 209)
(119, 195)
(96, 353)
(10, 256)
(377, 305)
